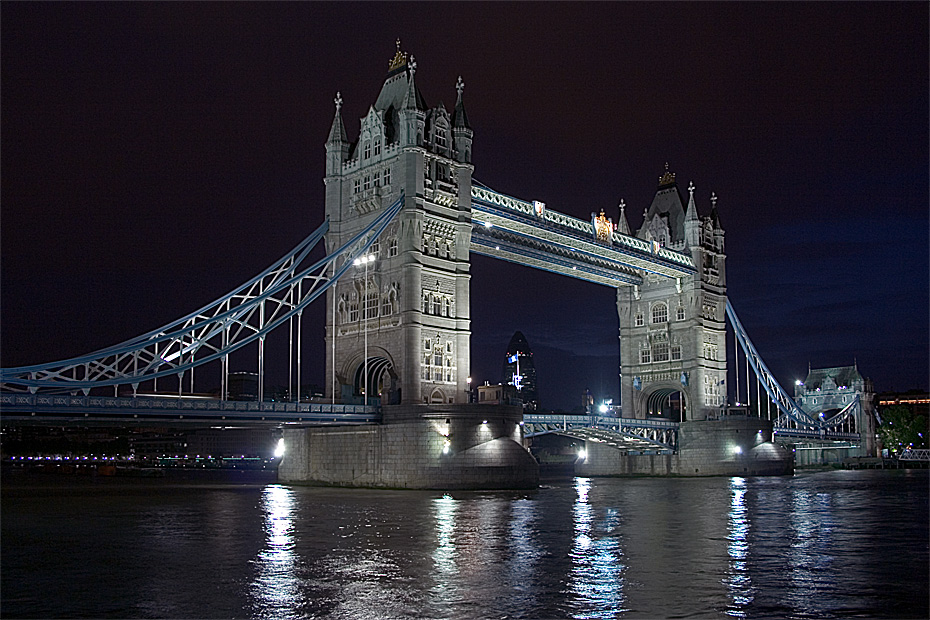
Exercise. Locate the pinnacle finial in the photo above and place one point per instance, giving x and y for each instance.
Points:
(691, 188)
(713, 199)
(460, 86)
(412, 65)
(338, 101)
(622, 205)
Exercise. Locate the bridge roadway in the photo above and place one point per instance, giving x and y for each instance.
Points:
(638, 436)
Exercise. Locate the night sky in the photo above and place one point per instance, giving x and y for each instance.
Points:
(155, 156)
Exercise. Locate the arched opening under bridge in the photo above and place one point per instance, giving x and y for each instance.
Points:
(667, 403)
(382, 380)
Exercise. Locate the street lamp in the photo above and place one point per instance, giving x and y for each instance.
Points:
(468, 388)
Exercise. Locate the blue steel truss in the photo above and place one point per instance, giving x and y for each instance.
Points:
(622, 433)
(787, 407)
(242, 316)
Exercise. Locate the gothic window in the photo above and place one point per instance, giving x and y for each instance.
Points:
(638, 320)
(445, 306)
(426, 309)
(356, 186)
(375, 248)
(367, 150)
(386, 309)
(353, 312)
(392, 247)
(680, 313)
(440, 137)
(377, 147)
(659, 313)
(428, 346)
(644, 357)
(386, 177)
(367, 185)
(343, 312)
(449, 350)
(371, 303)
(676, 352)
(435, 305)
(435, 248)
(660, 352)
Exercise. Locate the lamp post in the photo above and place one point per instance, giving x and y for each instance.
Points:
(359, 261)
(468, 389)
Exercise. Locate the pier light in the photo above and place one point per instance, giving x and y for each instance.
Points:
(582, 454)
(603, 408)
(279, 449)
(445, 447)
(484, 421)
(737, 450)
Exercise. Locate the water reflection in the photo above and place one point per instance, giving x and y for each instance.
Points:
(276, 590)
(739, 582)
(596, 580)
(444, 560)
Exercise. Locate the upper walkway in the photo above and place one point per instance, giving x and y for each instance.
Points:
(531, 234)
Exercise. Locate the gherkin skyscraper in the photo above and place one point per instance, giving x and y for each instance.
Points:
(520, 371)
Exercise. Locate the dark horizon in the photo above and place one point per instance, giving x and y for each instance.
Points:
(155, 156)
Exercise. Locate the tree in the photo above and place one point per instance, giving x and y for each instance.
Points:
(901, 429)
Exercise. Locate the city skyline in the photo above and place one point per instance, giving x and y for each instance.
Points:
(154, 158)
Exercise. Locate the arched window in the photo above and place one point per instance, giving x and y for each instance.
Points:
(638, 320)
(377, 147)
(680, 314)
(659, 313)
(367, 150)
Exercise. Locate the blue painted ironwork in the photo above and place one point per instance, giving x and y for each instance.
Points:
(56, 407)
(511, 229)
(625, 433)
(242, 316)
(788, 408)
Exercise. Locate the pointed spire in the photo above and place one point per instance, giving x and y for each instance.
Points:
(623, 226)
(691, 214)
(337, 132)
(412, 100)
(459, 117)
(715, 218)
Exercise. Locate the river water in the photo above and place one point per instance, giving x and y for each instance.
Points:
(836, 544)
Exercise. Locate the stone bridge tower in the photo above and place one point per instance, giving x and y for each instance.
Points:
(413, 308)
(673, 331)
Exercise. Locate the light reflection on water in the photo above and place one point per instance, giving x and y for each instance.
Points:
(597, 573)
(739, 580)
(832, 545)
(276, 590)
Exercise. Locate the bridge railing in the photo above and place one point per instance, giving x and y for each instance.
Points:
(67, 405)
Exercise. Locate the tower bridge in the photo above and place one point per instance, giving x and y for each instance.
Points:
(403, 215)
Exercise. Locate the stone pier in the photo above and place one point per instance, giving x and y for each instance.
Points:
(416, 447)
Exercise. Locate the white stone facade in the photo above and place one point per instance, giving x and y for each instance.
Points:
(673, 331)
(414, 307)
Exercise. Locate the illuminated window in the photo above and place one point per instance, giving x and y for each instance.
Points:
(659, 313)
(638, 321)
(680, 315)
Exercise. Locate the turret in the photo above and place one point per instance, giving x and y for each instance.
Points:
(337, 146)
(461, 131)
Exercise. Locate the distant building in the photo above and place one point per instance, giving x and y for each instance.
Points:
(500, 394)
(243, 386)
(827, 391)
(520, 371)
